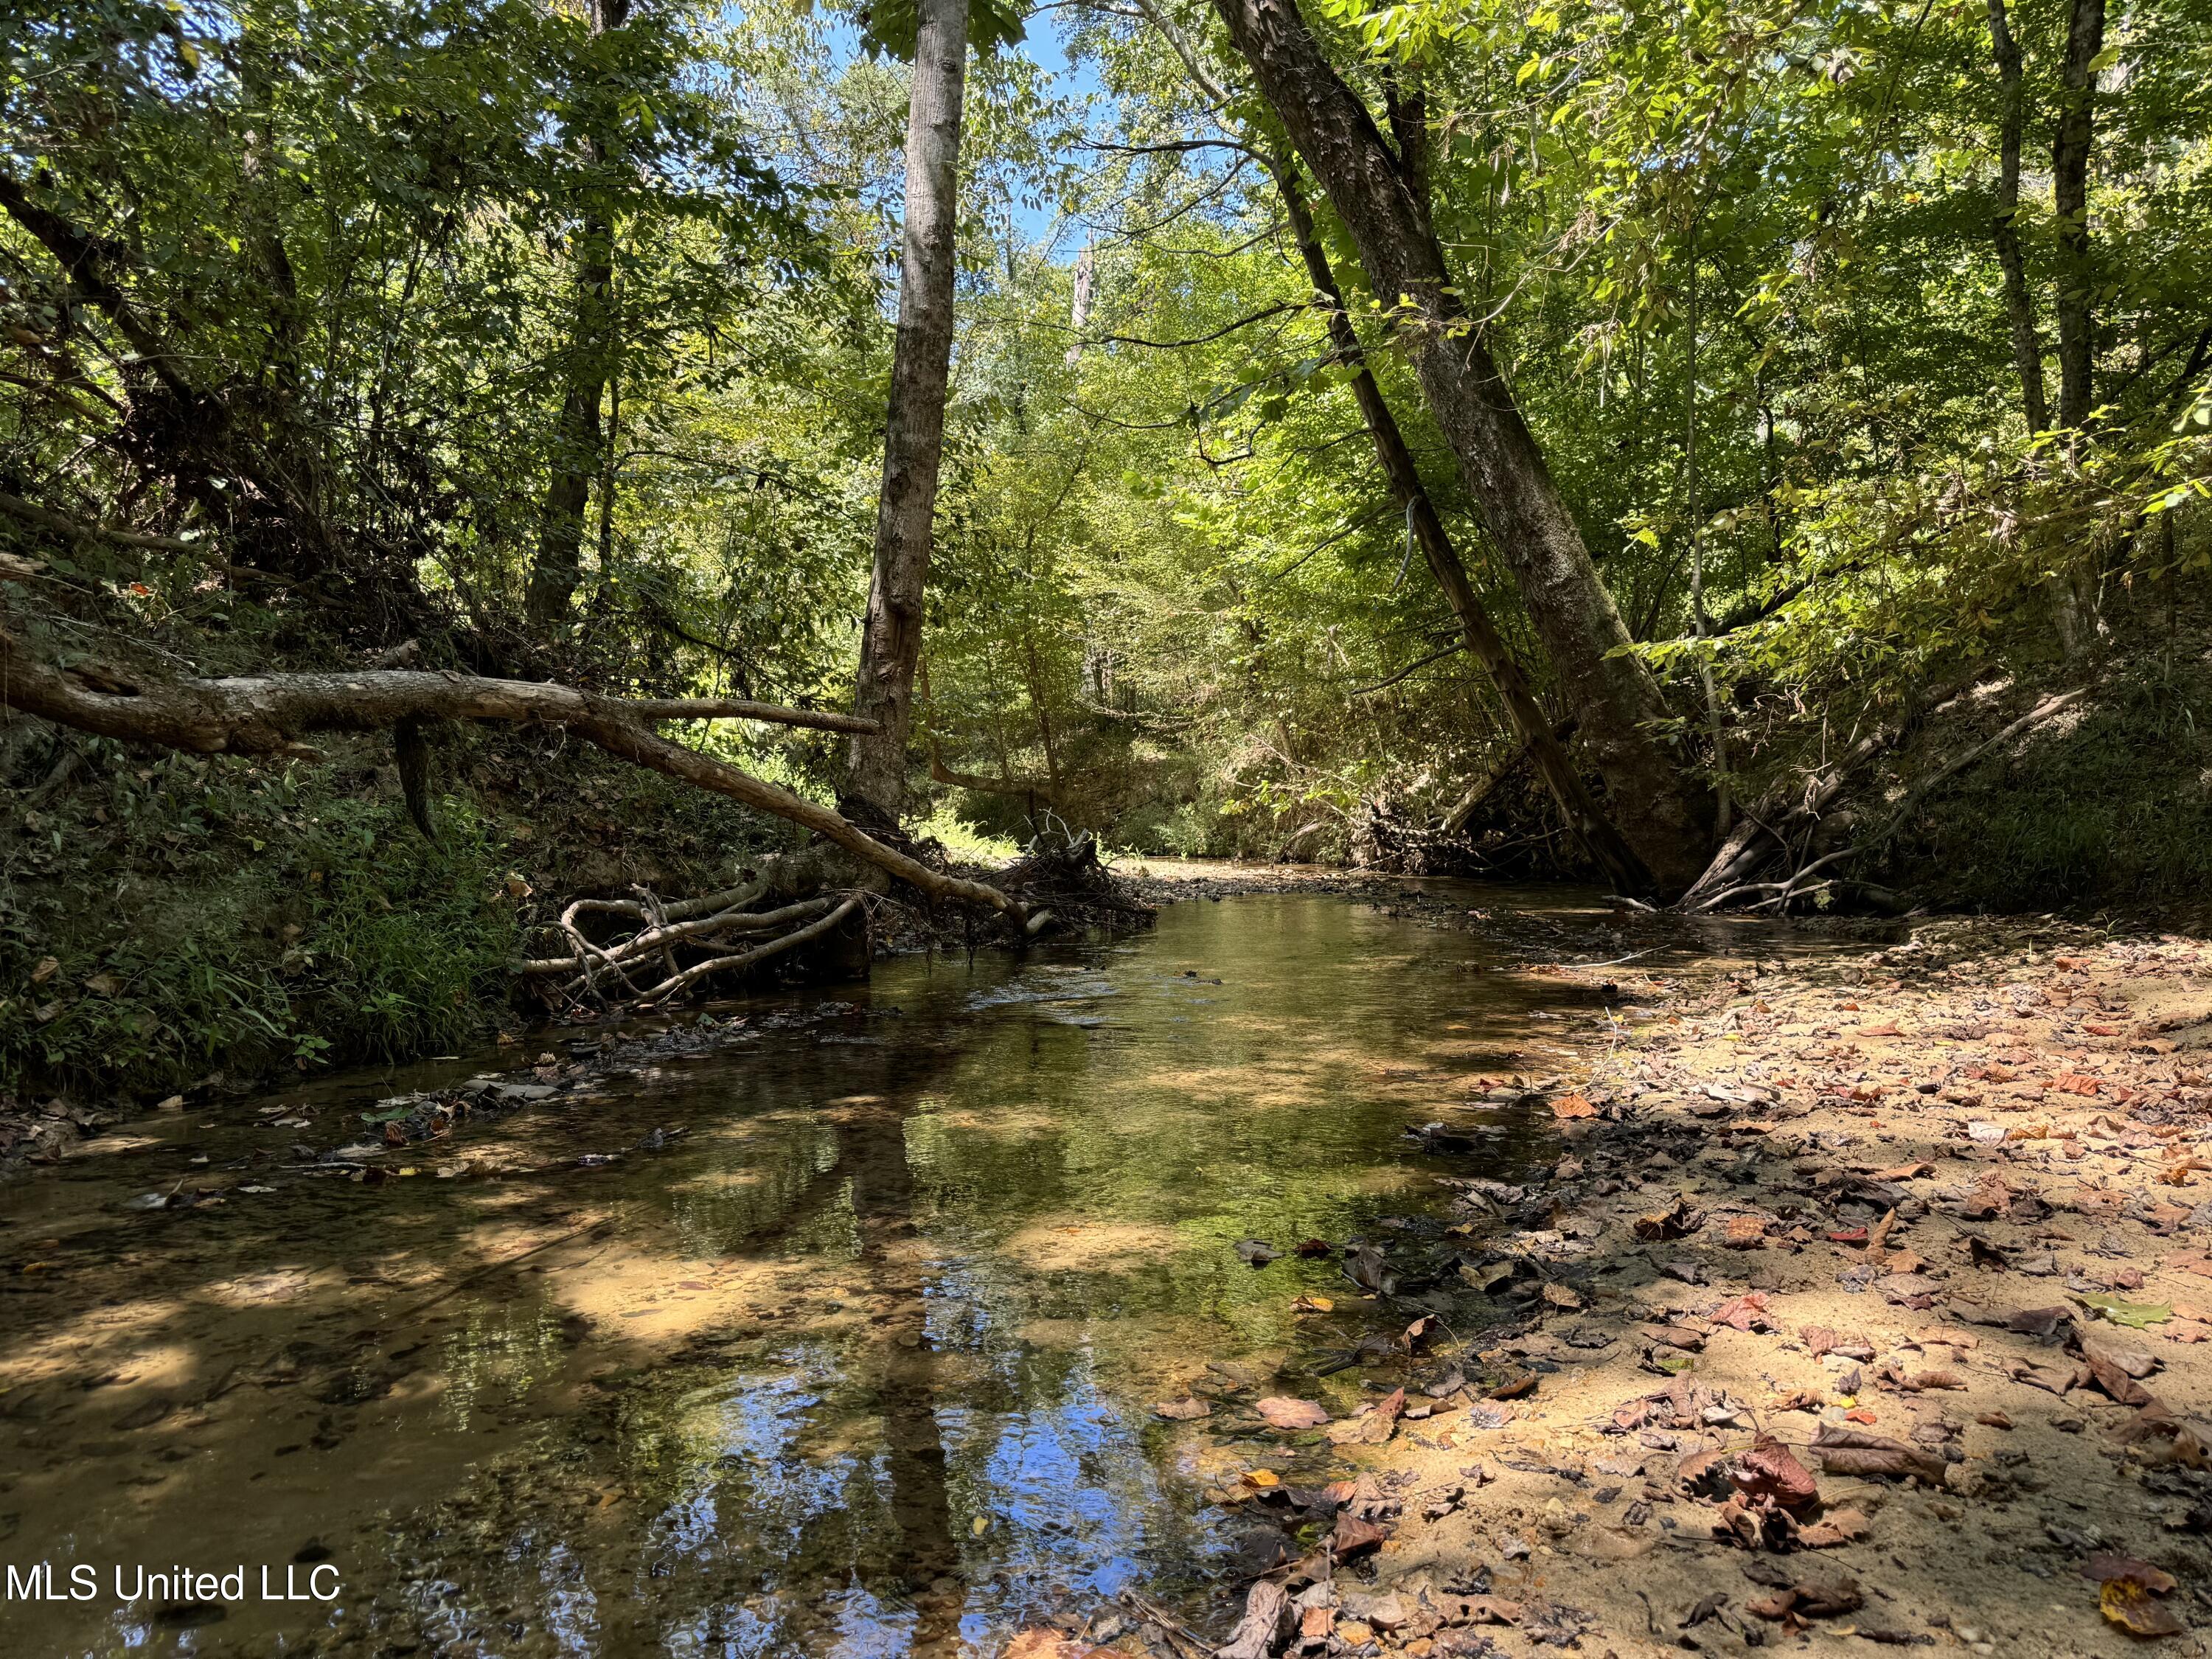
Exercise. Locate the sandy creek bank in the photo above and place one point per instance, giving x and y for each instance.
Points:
(1865, 1303)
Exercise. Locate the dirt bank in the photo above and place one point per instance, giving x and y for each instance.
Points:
(1867, 1301)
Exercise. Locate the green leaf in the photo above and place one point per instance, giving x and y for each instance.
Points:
(2133, 1314)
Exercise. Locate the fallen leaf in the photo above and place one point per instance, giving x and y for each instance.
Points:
(1572, 1106)
(1041, 1642)
(1561, 1296)
(1371, 1428)
(1744, 1313)
(2105, 1565)
(1849, 1451)
(1844, 1526)
(1744, 1232)
(1355, 1537)
(1769, 1473)
(2135, 1610)
(1674, 1221)
(1282, 1413)
(1186, 1410)
(2133, 1314)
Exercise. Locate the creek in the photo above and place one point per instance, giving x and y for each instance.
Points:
(838, 1335)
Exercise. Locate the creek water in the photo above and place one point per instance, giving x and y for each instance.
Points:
(837, 1337)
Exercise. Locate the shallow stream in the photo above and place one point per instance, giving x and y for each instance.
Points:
(839, 1337)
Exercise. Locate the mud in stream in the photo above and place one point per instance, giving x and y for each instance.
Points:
(842, 1339)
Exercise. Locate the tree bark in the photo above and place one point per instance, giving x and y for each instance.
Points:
(914, 427)
(577, 438)
(266, 714)
(1506, 476)
(2075, 598)
(1716, 730)
(2069, 199)
(2004, 226)
(1584, 817)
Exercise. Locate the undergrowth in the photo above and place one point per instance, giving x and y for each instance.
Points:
(176, 919)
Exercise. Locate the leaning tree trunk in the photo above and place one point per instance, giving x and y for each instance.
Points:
(1583, 815)
(576, 437)
(913, 426)
(2004, 226)
(1668, 819)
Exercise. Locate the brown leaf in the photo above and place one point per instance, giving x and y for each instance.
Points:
(1745, 1232)
(1042, 1642)
(1744, 1313)
(1355, 1537)
(1561, 1296)
(2105, 1565)
(1844, 1526)
(1285, 1413)
(1674, 1221)
(1853, 1451)
(1768, 1472)
(1188, 1409)
(1515, 1386)
(2107, 1375)
(1572, 1106)
(1372, 1428)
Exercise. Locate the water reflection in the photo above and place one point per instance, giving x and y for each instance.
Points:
(859, 1362)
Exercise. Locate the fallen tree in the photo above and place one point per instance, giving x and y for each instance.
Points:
(271, 713)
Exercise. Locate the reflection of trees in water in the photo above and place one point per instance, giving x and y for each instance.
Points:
(822, 1495)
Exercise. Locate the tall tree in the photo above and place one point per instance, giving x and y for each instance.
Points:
(2069, 200)
(2077, 329)
(913, 422)
(1530, 723)
(577, 439)
(2004, 224)
(1667, 819)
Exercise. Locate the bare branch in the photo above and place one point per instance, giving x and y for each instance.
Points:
(267, 714)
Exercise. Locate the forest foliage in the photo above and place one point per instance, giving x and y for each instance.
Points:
(296, 303)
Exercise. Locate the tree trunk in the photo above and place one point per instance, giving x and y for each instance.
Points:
(1596, 833)
(576, 436)
(914, 427)
(2070, 199)
(1717, 731)
(2004, 226)
(1606, 682)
